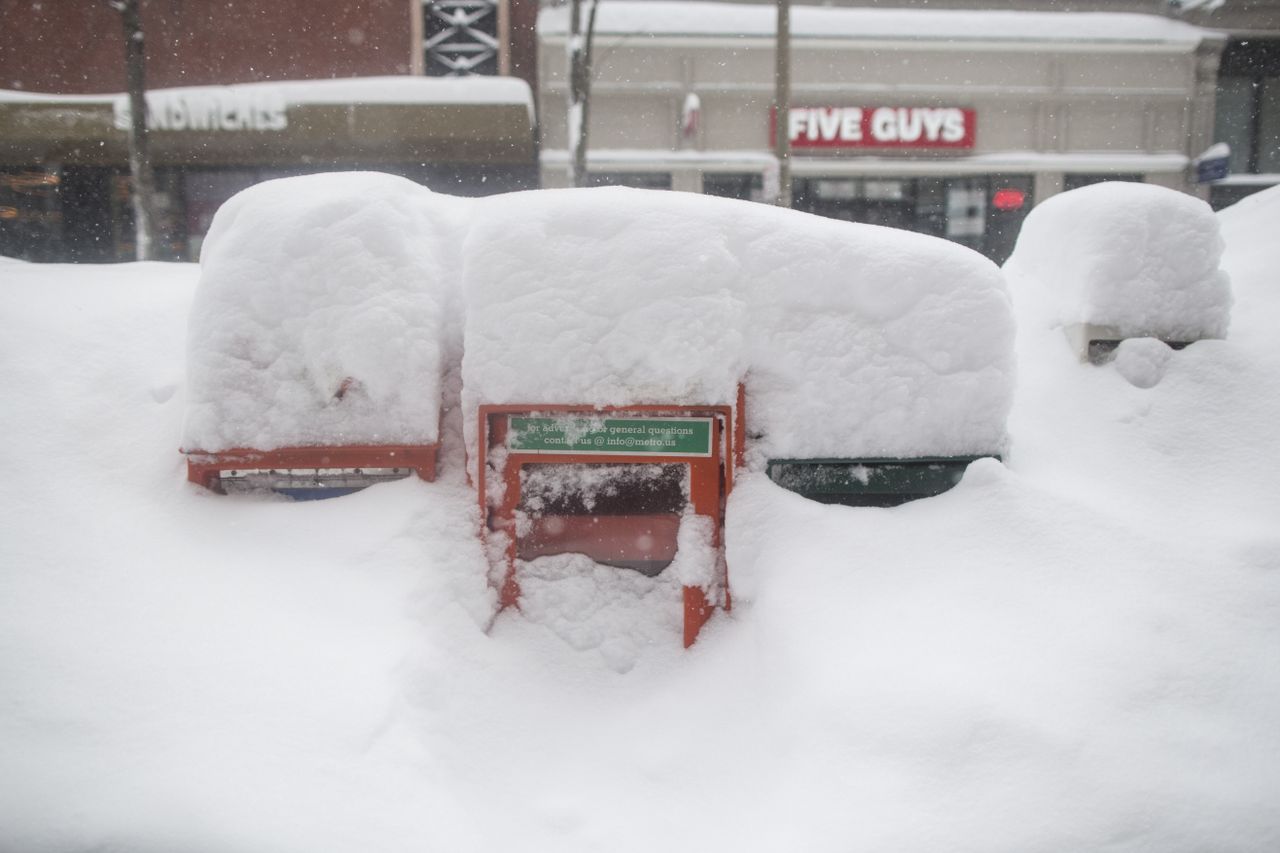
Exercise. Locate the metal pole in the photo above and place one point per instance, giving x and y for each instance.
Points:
(580, 45)
(144, 182)
(782, 103)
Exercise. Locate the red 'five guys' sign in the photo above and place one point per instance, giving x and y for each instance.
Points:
(880, 127)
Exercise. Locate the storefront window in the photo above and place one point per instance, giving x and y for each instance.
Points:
(30, 214)
(205, 192)
(639, 180)
(1248, 105)
(981, 212)
(1234, 122)
(1269, 126)
(747, 187)
(170, 233)
(1074, 181)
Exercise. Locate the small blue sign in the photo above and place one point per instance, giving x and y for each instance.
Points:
(1212, 170)
(1214, 164)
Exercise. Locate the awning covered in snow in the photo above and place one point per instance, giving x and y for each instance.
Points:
(365, 121)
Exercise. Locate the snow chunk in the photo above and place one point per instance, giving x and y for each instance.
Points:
(617, 613)
(319, 316)
(1139, 259)
(696, 554)
(1142, 361)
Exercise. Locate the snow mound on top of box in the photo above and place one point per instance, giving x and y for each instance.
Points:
(319, 314)
(852, 340)
(1139, 258)
(601, 297)
(874, 342)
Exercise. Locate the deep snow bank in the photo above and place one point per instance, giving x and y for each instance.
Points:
(1138, 258)
(1073, 652)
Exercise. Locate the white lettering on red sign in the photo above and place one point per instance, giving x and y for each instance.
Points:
(881, 127)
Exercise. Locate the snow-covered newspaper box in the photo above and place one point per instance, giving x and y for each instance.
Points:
(1119, 260)
(625, 351)
(316, 340)
(881, 361)
(604, 347)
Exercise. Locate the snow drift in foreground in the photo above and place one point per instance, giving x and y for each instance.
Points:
(1073, 652)
(1139, 259)
(851, 340)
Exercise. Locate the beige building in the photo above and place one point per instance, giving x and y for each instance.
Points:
(951, 122)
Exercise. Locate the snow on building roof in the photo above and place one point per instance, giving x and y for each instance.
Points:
(1137, 258)
(666, 18)
(361, 90)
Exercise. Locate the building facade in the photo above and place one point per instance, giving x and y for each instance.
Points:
(950, 121)
(439, 91)
(1248, 102)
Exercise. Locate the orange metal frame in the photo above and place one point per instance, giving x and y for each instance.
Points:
(710, 481)
(203, 468)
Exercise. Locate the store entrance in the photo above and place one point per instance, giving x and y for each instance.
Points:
(887, 203)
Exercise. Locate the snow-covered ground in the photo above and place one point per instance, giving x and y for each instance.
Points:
(1076, 651)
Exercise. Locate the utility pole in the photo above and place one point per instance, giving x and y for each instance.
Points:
(579, 47)
(140, 171)
(782, 102)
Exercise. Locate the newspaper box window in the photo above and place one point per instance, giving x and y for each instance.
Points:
(624, 514)
(316, 340)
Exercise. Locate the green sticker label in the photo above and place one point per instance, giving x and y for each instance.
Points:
(618, 436)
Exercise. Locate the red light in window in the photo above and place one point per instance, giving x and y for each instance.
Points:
(1009, 199)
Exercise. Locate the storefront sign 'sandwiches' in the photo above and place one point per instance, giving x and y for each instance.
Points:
(228, 109)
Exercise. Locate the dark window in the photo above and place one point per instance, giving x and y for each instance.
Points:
(748, 187)
(30, 214)
(1076, 181)
(85, 193)
(640, 180)
(1248, 105)
(1236, 122)
(981, 212)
